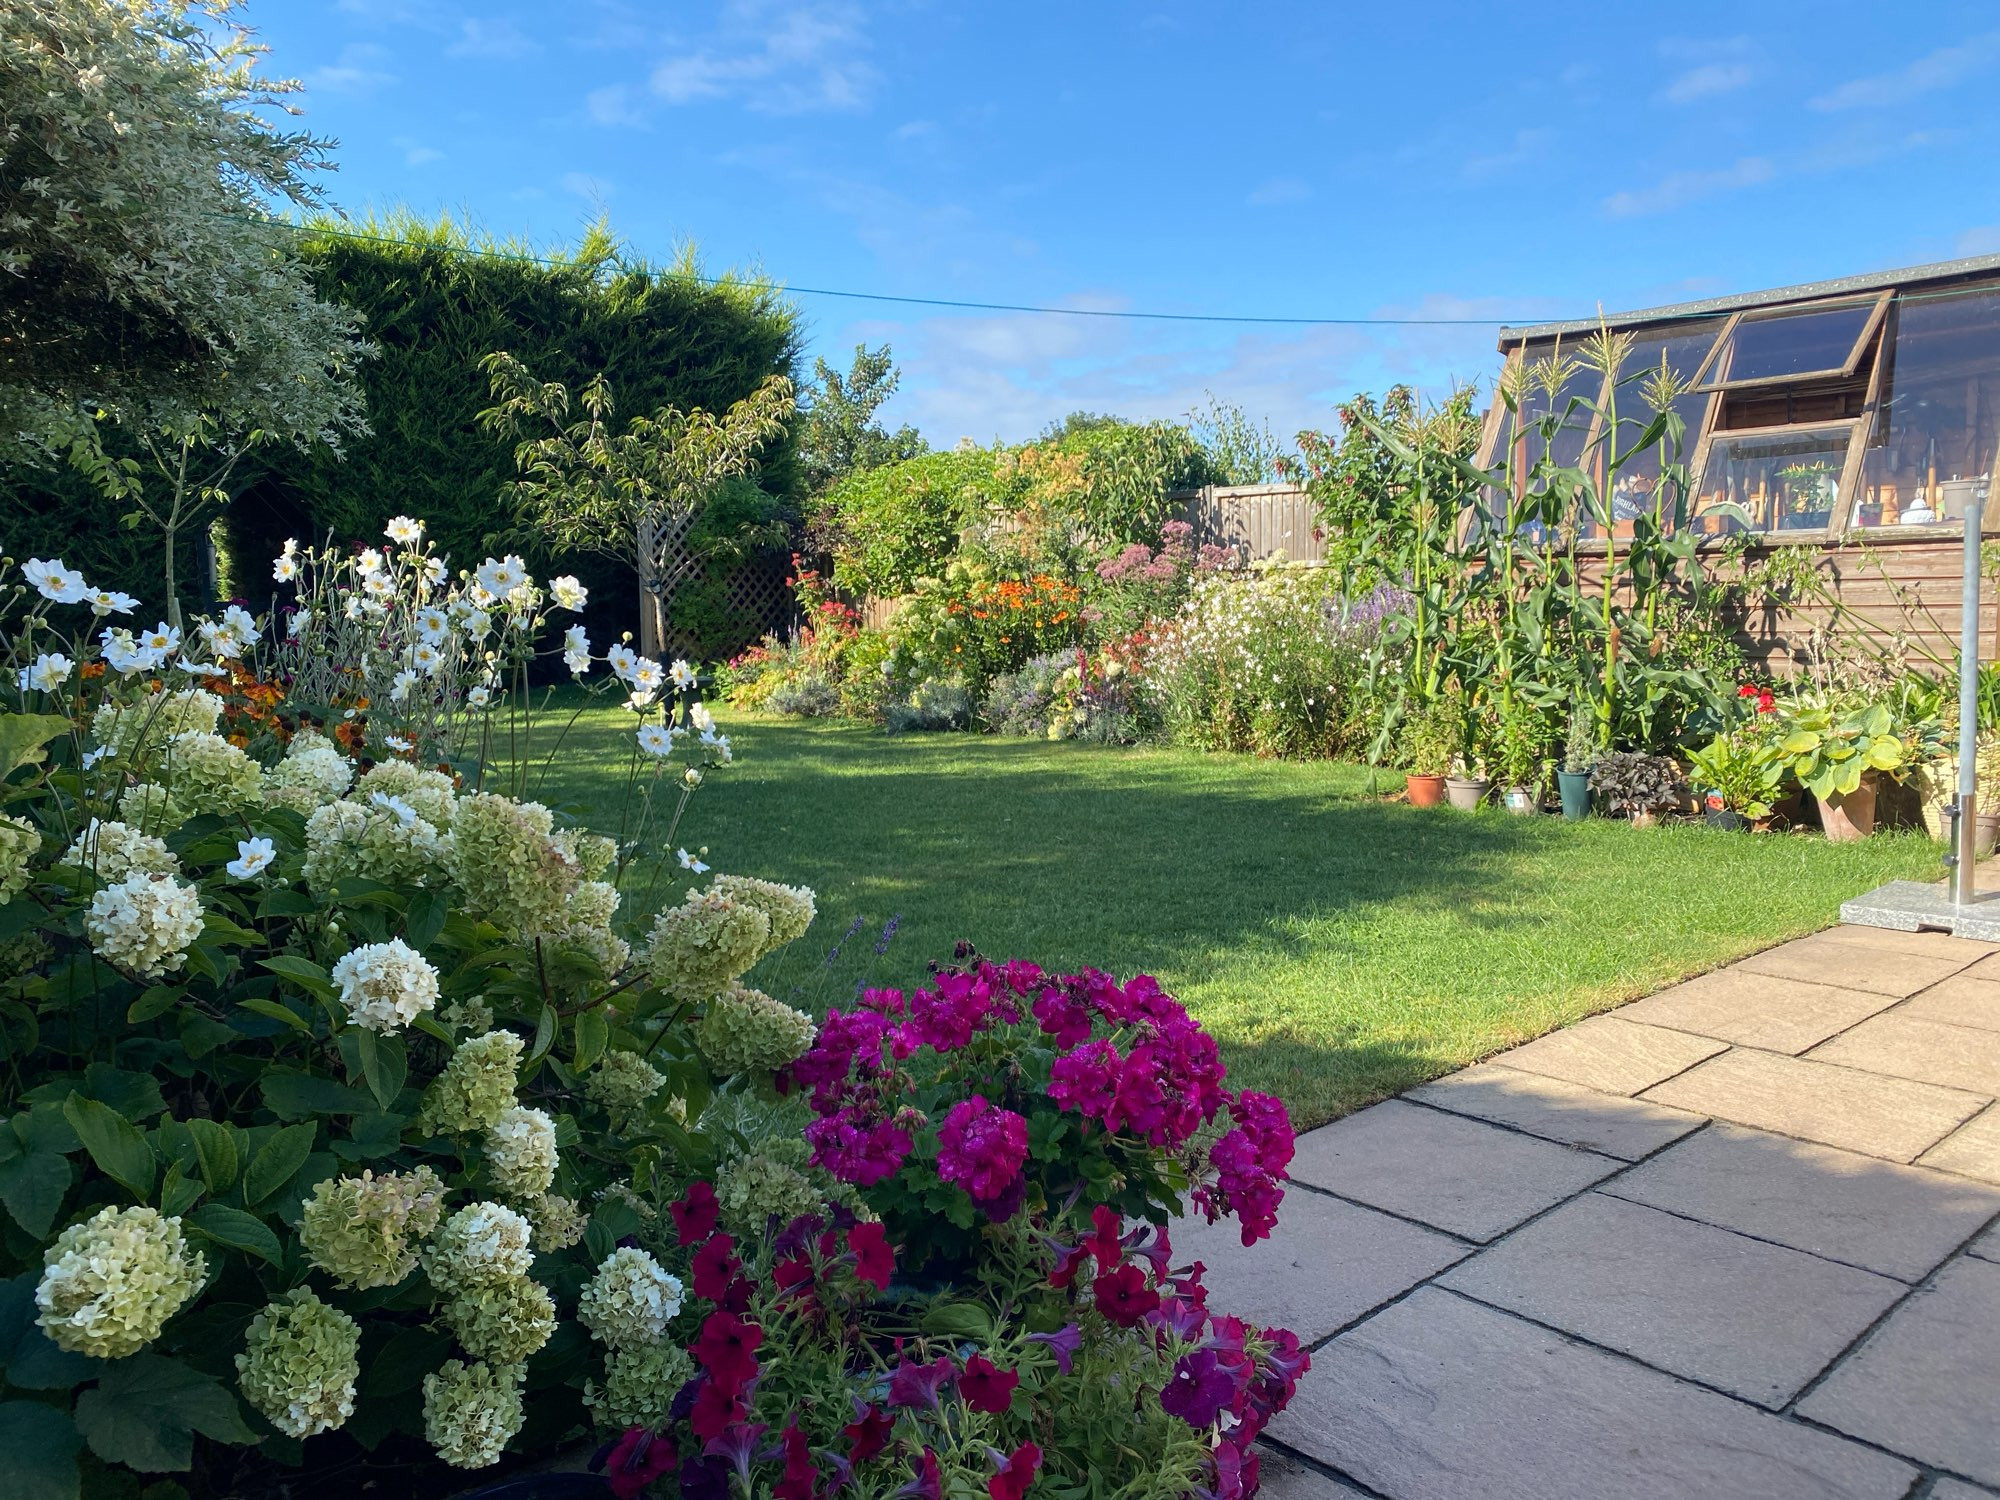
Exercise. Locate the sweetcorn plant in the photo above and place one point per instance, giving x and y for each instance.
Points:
(333, 1079)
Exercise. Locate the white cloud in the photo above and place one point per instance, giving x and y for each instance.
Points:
(775, 60)
(584, 185)
(415, 153)
(1706, 81)
(1936, 70)
(1279, 191)
(614, 105)
(501, 40)
(1678, 189)
(358, 72)
(1525, 149)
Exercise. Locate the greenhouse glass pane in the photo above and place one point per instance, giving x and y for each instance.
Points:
(1786, 481)
(1773, 346)
(1937, 426)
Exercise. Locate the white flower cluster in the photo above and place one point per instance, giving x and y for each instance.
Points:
(144, 923)
(110, 1283)
(312, 772)
(481, 1244)
(300, 1361)
(471, 1412)
(385, 986)
(521, 1153)
(383, 841)
(114, 850)
(631, 1299)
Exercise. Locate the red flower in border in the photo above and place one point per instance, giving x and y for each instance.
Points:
(715, 1265)
(874, 1256)
(638, 1458)
(695, 1216)
(1016, 1473)
(727, 1349)
(1123, 1296)
(986, 1387)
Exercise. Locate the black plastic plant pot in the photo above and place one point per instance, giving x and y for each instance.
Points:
(1722, 817)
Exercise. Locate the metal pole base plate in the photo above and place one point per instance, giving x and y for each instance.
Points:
(1921, 906)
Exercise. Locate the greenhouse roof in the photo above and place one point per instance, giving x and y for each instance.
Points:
(1871, 281)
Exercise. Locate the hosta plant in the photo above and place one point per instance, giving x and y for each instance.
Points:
(1833, 745)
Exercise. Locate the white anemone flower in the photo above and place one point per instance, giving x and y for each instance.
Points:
(404, 530)
(54, 580)
(252, 857)
(656, 741)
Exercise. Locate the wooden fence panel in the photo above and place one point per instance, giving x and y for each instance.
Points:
(1259, 521)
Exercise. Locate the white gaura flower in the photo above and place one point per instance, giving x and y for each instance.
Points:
(621, 659)
(568, 593)
(284, 569)
(682, 675)
(656, 741)
(48, 673)
(54, 581)
(397, 742)
(500, 578)
(646, 676)
(404, 530)
(110, 602)
(478, 697)
(162, 640)
(252, 857)
(690, 863)
(399, 689)
(432, 623)
(427, 658)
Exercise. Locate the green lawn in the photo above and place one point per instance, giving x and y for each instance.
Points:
(1340, 948)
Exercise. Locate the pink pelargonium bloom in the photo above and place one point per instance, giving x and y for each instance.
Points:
(981, 1148)
(1085, 1078)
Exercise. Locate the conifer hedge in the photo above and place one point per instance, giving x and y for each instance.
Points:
(434, 299)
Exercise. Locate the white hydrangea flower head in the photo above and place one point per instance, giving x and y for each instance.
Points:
(358, 838)
(640, 1384)
(631, 1299)
(160, 717)
(300, 1363)
(558, 1221)
(471, 1412)
(150, 809)
(385, 986)
(745, 1030)
(699, 946)
(476, 1087)
(623, 1082)
(505, 859)
(312, 764)
(790, 908)
(429, 792)
(20, 842)
(144, 923)
(481, 1244)
(521, 1152)
(110, 1283)
(502, 1321)
(364, 1231)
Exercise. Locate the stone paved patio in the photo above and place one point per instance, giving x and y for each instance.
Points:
(1738, 1239)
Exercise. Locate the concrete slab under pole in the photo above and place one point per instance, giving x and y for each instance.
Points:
(1920, 906)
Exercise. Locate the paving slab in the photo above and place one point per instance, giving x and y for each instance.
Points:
(1440, 1398)
(1558, 1111)
(1857, 966)
(1921, 944)
(1758, 1010)
(1900, 1221)
(1905, 1046)
(1956, 1489)
(1753, 1319)
(1283, 1477)
(1325, 1265)
(1973, 1150)
(1887, 1117)
(1963, 1000)
(1617, 1057)
(1923, 1383)
(1463, 1176)
(1987, 1246)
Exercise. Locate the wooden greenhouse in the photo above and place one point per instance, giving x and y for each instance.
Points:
(1857, 419)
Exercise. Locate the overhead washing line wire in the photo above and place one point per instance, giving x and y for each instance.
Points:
(1065, 312)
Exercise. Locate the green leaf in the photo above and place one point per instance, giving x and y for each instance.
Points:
(277, 1161)
(304, 973)
(114, 1143)
(592, 1032)
(157, 1000)
(424, 919)
(234, 1229)
(216, 1150)
(28, 1357)
(22, 737)
(136, 1096)
(38, 1446)
(961, 1320)
(32, 1186)
(384, 1064)
(410, 1355)
(146, 1410)
(292, 1095)
(545, 1033)
(275, 1010)
(432, 1027)
(178, 1191)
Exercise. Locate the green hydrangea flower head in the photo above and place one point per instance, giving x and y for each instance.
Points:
(19, 843)
(476, 1087)
(300, 1363)
(120, 727)
(364, 1231)
(113, 850)
(745, 1030)
(630, 1300)
(150, 809)
(640, 1384)
(697, 947)
(472, 1411)
(767, 1185)
(521, 1152)
(789, 908)
(206, 774)
(623, 1082)
(429, 793)
(386, 842)
(502, 1321)
(510, 869)
(593, 853)
(110, 1283)
(313, 768)
(479, 1246)
(558, 1222)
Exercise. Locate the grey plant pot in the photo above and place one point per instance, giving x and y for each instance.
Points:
(1466, 794)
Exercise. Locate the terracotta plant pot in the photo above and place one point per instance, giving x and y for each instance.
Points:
(1847, 816)
(1648, 819)
(1465, 793)
(1986, 834)
(1424, 791)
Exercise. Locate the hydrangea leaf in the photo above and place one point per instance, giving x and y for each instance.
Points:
(114, 1143)
(32, 1186)
(29, 1358)
(277, 1161)
(38, 1446)
(146, 1409)
(234, 1229)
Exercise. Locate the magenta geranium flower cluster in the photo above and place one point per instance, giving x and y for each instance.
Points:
(987, 1048)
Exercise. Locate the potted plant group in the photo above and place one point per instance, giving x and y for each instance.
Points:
(1636, 785)
(1842, 753)
(1579, 750)
(1521, 769)
(1739, 776)
(1430, 740)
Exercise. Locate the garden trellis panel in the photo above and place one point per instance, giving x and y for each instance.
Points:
(1859, 418)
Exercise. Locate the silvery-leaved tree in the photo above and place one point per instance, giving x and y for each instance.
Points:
(635, 490)
(154, 321)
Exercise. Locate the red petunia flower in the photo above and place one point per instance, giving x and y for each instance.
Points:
(1016, 1473)
(986, 1387)
(1123, 1296)
(727, 1350)
(874, 1256)
(637, 1459)
(695, 1215)
(715, 1265)
(868, 1434)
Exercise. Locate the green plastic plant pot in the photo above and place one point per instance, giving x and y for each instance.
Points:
(1575, 789)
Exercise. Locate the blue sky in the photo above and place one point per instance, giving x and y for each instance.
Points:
(1316, 160)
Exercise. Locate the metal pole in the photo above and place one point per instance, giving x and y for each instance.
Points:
(1968, 708)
